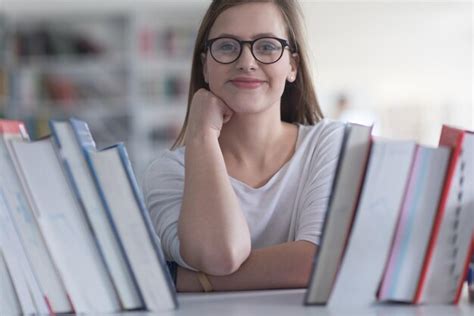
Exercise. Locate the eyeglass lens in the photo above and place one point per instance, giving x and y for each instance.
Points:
(265, 50)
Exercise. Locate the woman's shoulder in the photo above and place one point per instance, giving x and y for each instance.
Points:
(326, 130)
(321, 143)
(168, 164)
(168, 157)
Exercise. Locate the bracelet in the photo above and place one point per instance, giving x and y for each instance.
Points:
(204, 280)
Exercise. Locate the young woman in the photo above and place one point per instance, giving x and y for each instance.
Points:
(239, 202)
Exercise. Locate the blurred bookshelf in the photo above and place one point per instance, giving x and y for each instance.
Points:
(3, 70)
(125, 73)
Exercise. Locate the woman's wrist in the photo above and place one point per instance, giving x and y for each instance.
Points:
(202, 136)
(187, 281)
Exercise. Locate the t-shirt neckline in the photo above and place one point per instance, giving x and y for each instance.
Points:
(277, 174)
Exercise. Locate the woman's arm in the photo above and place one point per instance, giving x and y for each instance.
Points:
(214, 235)
(286, 265)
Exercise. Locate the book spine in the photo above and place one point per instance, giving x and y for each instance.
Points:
(145, 215)
(56, 140)
(83, 134)
(357, 199)
(309, 300)
(108, 213)
(455, 155)
(11, 127)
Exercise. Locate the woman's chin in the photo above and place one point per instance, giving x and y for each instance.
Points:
(247, 108)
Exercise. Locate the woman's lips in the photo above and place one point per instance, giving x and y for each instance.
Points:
(247, 84)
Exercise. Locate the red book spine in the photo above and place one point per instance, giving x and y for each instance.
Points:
(453, 138)
(11, 127)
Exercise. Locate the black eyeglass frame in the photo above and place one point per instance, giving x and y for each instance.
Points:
(284, 43)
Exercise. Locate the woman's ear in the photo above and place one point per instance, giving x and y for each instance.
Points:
(294, 62)
(204, 67)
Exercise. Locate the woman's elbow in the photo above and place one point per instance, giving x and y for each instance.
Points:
(217, 260)
(224, 260)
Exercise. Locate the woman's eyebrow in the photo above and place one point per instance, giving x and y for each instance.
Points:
(252, 37)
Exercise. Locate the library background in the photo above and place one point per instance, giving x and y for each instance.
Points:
(123, 72)
(123, 66)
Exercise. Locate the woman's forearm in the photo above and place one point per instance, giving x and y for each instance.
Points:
(286, 265)
(214, 235)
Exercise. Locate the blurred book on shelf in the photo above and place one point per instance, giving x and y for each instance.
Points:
(3, 90)
(52, 42)
(109, 68)
(171, 41)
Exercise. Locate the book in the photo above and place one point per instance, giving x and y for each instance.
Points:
(31, 296)
(9, 304)
(451, 245)
(26, 225)
(374, 224)
(70, 151)
(341, 209)
(26, 287)
(120, 194)
(414, 225)
(64, 227)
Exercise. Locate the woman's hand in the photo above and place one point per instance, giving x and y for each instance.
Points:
(208, 113)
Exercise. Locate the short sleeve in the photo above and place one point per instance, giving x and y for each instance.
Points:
(163, 187)
(317, 189)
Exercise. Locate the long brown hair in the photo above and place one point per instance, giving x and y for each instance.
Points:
(299, 103)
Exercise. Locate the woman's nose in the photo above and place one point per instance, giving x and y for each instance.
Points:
(246, 60)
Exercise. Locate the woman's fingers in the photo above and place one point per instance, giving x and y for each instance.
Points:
(208, 111)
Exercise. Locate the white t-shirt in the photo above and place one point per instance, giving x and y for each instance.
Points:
(289, 207)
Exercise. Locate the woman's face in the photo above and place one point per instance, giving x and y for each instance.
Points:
(230, 82)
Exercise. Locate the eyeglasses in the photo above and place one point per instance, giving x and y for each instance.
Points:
(266, 50)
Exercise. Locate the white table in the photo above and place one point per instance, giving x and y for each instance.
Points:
(290, 303)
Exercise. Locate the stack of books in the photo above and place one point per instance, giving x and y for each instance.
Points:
(75, 236)
(400, 222)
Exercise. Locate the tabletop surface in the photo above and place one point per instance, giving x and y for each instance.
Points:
(290, 303)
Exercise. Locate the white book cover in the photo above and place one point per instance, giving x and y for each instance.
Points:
(376, 218)
(29, 293)
(29, 232)
(9, 304)
(457, 228)
(116, 182)
(415, 223)
(71, 152)
(64, 228)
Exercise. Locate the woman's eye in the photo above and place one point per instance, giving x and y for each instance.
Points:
(267, 47)
(227, 47)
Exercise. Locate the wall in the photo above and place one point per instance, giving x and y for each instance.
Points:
(412, 60)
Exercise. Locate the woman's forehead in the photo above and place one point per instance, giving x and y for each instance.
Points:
(248, 21)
